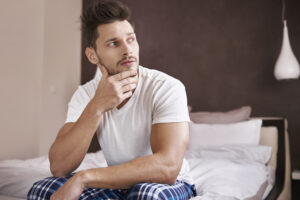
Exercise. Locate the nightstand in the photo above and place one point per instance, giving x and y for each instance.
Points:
(296, 185)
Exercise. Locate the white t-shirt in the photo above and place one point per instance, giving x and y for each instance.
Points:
(124, 134)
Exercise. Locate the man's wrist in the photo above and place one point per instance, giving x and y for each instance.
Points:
(84, 177)
(95, 109)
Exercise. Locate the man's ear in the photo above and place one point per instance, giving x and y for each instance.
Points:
(91, 55)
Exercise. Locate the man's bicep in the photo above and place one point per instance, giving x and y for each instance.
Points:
(170, 139)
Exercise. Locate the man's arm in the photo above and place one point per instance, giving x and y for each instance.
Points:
(168, 143)
(73, 140)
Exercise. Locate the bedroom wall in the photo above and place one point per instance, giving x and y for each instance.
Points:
(224, 52)
(21, 53)
(61, 70)
(39, 70)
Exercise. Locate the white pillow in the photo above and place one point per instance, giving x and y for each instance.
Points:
(247, 132)
(256, 153)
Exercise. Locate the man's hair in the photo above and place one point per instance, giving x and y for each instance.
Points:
(102, 12)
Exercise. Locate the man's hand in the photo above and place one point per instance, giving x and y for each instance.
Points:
(71, 190)
(113, 90)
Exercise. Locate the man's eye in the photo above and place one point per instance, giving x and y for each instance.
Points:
(131, 39)
(112, 44)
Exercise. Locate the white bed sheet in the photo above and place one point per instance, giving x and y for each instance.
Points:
(17, 176)
(231, 172)
(3, 197)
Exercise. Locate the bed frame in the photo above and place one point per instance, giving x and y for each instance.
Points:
(281, 160)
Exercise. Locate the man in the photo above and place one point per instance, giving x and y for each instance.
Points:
(141, 116)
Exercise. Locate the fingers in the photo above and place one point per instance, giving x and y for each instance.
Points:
(129, 80)
(127, 95)
(128, 87)
(103, 71)
(125, 74)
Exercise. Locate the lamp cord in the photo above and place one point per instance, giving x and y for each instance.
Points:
(283, 10)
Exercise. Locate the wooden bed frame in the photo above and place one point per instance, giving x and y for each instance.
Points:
(281, 160)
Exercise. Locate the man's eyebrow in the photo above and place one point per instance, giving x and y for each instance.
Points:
(114, 39)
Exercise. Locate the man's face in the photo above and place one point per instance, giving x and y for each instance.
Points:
(116, 47)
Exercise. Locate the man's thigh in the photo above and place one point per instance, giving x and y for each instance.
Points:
(155, 191)
(43, 189)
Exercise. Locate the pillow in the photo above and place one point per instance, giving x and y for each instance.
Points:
(236, 115)
(257, 153)
(247, 132)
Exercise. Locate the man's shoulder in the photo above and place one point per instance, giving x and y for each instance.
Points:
(89, 88)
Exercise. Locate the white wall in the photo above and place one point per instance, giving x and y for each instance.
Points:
(61, 74)
(39, 71)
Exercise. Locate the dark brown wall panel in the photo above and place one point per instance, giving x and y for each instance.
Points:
(224, 51)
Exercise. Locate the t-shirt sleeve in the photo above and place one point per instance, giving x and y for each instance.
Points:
(77, 104)
(170, 103)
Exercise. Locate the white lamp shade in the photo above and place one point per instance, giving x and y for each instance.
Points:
(287, 65)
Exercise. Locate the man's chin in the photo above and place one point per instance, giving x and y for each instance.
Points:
(127, 68)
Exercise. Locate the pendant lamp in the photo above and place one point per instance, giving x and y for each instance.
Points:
(287, 65)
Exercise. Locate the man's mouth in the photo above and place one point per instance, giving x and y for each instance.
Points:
(127, 62)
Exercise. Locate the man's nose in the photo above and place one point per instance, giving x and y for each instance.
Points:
(127, 49)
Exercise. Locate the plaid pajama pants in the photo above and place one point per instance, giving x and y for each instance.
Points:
(43, 189)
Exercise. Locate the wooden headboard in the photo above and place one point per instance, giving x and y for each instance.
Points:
(279, 123)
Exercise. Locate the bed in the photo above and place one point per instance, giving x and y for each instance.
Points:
(211, 166)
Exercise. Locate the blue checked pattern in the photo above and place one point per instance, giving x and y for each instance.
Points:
(43, 189)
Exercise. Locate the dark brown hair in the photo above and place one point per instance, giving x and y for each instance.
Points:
(101, 12)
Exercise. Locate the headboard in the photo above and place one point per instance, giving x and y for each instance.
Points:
(280, 173)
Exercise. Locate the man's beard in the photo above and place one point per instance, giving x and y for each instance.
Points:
(118, 63)
(107, 69)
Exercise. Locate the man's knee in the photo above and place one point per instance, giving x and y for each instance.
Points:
(155, 191)
(147, 191)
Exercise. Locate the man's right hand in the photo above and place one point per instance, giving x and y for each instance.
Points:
(113, 90)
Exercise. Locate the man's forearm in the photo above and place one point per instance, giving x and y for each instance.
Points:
(70, 147)
(153, 168)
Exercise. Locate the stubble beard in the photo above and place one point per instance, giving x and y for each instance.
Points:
(111, 73)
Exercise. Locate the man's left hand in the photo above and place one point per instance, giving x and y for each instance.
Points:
(71, 190)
